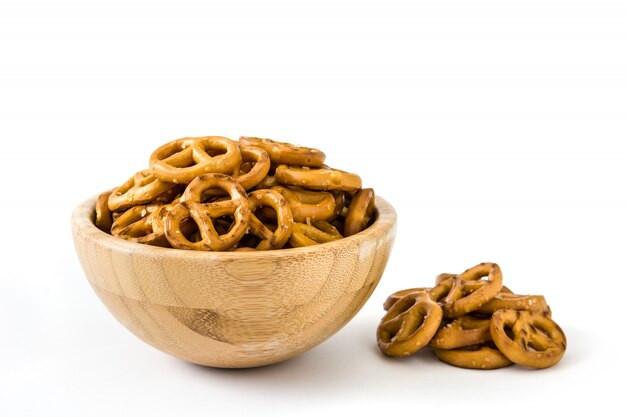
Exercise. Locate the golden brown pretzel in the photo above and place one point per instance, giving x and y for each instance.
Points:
(286, 153)
(360, 212)
(463, 331)
(104, 217)
(312, 234)
(136, 225)
(408, 325)
(141, 188)
(391, 300)
(324, 179)
(307, 205)
(270, 239)
(528, 338)
(535, 303)
(182, 160)
(474, 357)
(466, 292)
(191, 206)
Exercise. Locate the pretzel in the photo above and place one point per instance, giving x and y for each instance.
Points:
(528, 338)
(391, 300)
(306, 205)
(191, 206)
(324, 179)
(311, 234)
(270, 239)
(141, 188)
(286, 153)
(137, 225)
(474, 357)
(360, 212)
(182, 160)
(442, 277)
(534, 303)
(408, 325)
(466, 292)
(104, 218)
(463, 331)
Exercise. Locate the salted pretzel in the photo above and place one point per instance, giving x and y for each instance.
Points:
(534, 303)
(136, 225)
(528, 338)
(466, 292)
(203, 214)
(286, 153)
(324, 179)
(463, 331)
(182, 160)
(270, 239)
(474, 357)
(391, 300)
(408, 325)
(312, 234)
(104, 217)
(306, 205)
(360, 212)
(142, 188)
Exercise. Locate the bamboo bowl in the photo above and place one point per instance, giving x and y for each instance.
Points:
(234, 309)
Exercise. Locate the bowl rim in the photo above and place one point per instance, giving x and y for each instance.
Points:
(83, 216)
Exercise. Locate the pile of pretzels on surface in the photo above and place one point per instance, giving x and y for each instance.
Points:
(215, 194)
(472, 323)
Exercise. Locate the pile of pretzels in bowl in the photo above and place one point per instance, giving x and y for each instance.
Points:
(472, 322)
(215, 194)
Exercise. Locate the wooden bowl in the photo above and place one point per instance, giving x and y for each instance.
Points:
(234, 309)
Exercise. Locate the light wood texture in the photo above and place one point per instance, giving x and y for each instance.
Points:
(234, 309)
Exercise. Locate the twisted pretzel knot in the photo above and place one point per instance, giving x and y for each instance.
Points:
(528, 338)
(474, 357)
(104, 217)
(461, 332)
(203, 214)
(409, 325)
(182, 160)
(137, 225)
(360, 211)
(324, 179)
(286, 153)
(311, 234)
(466, 292)
(277, 238)
(307, 205)
(141, 188)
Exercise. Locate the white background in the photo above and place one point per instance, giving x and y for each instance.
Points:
(495, 128)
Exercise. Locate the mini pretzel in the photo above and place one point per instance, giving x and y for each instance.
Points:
(277, 238)
(104, 218)
(360, 212)
(324, 179)
(312, 234)
(442, 277)
(307, 205)
(182, 160)
(534, 303)
(286, 153)
(528, 338)
(408, 325)
(191, 206)
(463, 331)
(391, 300)
(474, 357)
(466, 292)
(141, 188)
(136, 225)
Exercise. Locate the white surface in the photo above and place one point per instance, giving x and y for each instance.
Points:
(495, 128)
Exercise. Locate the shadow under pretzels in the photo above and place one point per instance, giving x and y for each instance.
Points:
(351, 360)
